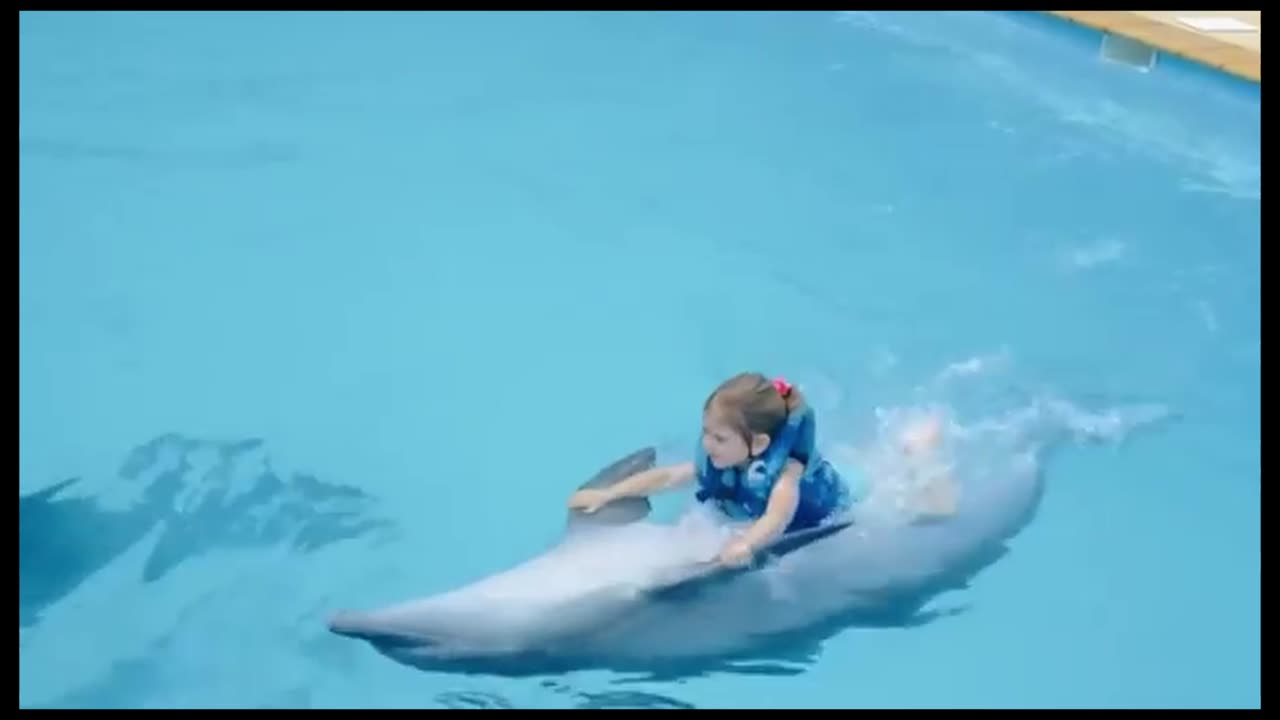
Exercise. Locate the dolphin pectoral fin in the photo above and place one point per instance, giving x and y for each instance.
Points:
(692, 578)
(365, 627)
(792, 541)
(623, 510)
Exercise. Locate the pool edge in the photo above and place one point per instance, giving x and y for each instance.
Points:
(1200, 48)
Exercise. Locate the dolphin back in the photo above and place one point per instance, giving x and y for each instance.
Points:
(621, 511)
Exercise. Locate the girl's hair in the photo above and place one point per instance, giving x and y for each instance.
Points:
(752, 404)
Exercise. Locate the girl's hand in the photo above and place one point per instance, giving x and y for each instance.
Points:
(737, 553)
(590, 500)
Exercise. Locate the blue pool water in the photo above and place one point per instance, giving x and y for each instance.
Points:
(325, 311)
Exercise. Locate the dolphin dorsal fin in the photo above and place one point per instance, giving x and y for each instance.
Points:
(618, 512)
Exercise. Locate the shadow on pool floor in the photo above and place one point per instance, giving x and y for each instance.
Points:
(201, 495)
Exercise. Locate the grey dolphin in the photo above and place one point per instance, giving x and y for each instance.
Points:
(623, 593)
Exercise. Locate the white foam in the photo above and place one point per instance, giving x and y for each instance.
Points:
(1207, 316)
(882, 361)
(976, 365)
(1102, 252)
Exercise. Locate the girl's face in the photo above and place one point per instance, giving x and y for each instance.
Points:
(725, 448)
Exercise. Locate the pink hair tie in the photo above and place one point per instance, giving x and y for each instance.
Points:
(782, 386)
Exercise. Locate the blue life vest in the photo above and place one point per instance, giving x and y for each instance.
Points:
(745, 495)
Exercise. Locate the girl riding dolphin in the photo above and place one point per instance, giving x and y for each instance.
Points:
(758, 461)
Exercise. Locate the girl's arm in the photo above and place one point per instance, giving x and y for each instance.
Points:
(653, 480)
(641, 484)
(778, 514)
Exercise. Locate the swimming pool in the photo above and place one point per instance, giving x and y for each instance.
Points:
(443, 267)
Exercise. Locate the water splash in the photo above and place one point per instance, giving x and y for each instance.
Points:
(990, 423)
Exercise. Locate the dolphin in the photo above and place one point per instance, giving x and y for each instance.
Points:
(623, 593)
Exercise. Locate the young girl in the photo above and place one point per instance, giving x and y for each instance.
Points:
(757, 461)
